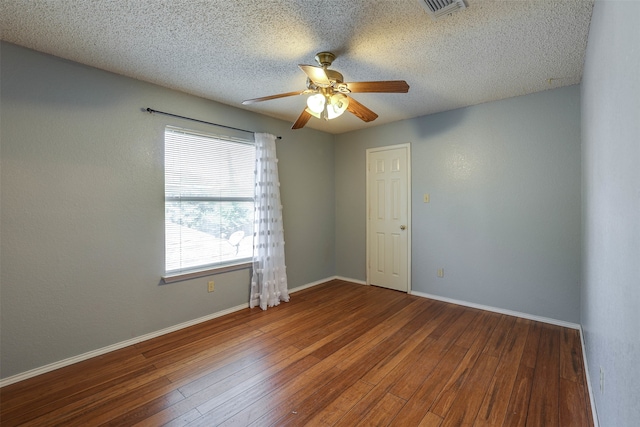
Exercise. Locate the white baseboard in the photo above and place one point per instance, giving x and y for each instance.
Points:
(499, 310)
(310, 285)
(328, 279)
(594, 413)
(88, 355)
(346, 279)
(536, 318)
(98, 352)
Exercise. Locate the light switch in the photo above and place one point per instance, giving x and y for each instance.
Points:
(425, 198)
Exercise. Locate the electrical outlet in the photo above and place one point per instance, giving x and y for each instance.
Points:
(212, 286)
(601, 380)
(441, 272)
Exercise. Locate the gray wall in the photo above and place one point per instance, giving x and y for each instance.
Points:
(504, 215)
(82, 210)
(611, 210)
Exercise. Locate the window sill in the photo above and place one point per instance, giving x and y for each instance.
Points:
(194, 274)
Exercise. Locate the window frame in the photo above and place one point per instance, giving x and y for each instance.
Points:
(171, 276)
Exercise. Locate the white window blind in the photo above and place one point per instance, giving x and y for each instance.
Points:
(209, 186)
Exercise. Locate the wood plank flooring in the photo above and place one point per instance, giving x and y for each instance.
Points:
(338, 354)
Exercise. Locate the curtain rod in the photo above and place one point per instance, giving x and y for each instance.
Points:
(151, 111)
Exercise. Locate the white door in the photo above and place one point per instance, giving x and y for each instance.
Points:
(388, 217)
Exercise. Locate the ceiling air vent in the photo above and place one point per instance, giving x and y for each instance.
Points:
(439, 8)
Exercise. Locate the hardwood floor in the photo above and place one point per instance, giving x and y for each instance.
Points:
(338, 354)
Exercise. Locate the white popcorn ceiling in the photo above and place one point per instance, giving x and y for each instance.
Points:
(229, 51)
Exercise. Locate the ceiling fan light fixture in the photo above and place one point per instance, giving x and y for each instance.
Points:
(328, 92)
(327, 106)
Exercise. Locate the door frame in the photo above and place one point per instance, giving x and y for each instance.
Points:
(369, 151)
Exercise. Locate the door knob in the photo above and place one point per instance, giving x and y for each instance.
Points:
(403, 227)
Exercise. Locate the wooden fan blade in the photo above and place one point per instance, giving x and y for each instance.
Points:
(303, 118)
(360, 111)
(315, 74)
(389, 86)
(267, 98)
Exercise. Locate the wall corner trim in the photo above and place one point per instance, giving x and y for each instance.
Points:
(592, 401)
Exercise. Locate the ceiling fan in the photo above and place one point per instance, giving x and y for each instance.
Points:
(329, 93)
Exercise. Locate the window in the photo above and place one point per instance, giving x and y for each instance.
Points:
(209, 185)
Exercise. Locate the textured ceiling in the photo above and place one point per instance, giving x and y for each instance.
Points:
(229, 51)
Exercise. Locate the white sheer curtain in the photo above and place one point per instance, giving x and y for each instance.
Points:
(269, 280)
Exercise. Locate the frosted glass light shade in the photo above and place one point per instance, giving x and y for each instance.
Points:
(338, 103)
(316, 103)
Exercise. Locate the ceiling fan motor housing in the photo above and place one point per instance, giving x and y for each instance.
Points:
(325, 59)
